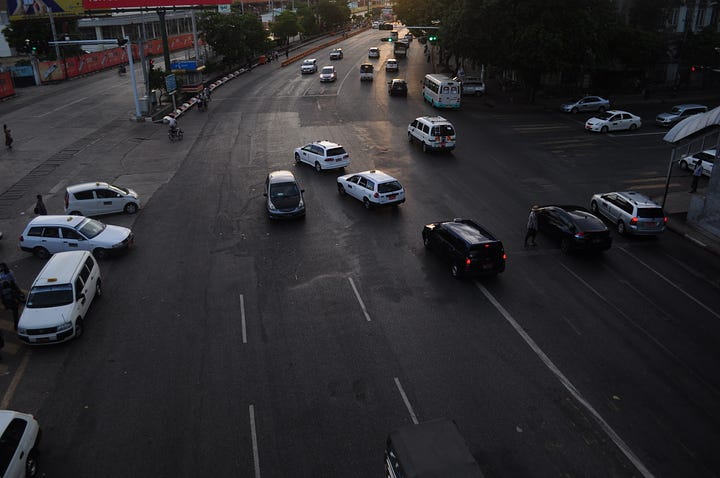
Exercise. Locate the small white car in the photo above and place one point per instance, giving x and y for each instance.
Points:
(47, 235)
(707, 157)
(374, 52)
(336, 54)
(391, 65)
(308, 65)
(322, 155)
(60, 298)
(19, 442)
(95, 199)
(327, 74)
(372, 188)
(434, 132)
(613, 120)
(587, 103)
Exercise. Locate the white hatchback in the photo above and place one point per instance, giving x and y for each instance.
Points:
(322, 155)
(95, 199)
(391, 65)
(613, 120)
(372, 188)
(47, 235)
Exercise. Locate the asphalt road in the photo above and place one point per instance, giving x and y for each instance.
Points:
(229, 345)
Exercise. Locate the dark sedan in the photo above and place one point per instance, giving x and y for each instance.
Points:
(575, 227)
(397, 87)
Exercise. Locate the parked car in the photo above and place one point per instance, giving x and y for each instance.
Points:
(631, 212)
(284, 195)
(336, 54)
(327, 74)
(575, 227)
(19, 444)
(391, 64)
(374, 52)
(688, 161)
(679, 113)
(372, 188)
(309, 65)
(434, 132)
(46, 235)
(613, 120)
(98, 198)
(322, 155)
(471, 85)
(469, 248)
(587, 103)
(397, 87)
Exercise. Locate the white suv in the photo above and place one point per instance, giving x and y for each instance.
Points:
(19, 441)
(632, 212)
(94, 199)
(322, 155)
(434, 132)
(309, 66)
(47, 235)
(373, 188)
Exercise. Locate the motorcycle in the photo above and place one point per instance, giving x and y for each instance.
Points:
(175, 134)
(122, 70)
(202, 104)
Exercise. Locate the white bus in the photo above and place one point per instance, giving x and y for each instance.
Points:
(441, 91)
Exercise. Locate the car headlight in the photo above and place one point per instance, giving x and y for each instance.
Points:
(301, 203)
(22, 330)
(64, 326)
(271, 206)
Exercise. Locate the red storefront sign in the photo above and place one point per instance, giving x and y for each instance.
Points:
(105, 4)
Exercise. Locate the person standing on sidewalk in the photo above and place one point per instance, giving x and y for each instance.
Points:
(9, 297)
(697, 172)
(8, 137)
(532, 226)
(40, 208)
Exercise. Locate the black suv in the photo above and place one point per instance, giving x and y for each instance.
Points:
(469, 248)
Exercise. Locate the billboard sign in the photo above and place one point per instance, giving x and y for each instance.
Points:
(20, 9)
(106, 4)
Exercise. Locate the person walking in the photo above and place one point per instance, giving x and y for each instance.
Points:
(40, 208)
(532, 226)
(287, 53)
(7, 275)
(8, 137)
(9, 298)
(697, 172)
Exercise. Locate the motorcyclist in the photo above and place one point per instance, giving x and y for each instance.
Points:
(122, 70)
(172, 122)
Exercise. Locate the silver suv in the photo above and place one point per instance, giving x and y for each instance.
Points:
(632, 212)
(678, 113)
(308, 66)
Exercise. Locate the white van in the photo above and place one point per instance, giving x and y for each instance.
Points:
(59, 298)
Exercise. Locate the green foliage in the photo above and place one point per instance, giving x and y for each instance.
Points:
(308, 20)
(235, 37)
(333, 14)
(36, 30)
(286, 25)
(699, 48)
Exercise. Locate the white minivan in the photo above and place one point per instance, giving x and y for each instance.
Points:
(59, 298)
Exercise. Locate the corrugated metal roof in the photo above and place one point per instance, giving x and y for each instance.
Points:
(692, 125)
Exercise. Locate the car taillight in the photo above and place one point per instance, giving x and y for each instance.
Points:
(376, 195)
(665, 220)
(504, 256)
(21, 238)
(579, 235)
(633, 221)
(467, 261)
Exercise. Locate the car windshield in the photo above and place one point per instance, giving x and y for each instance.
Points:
(284, 190)
(336, 151)
(307, 63)
(91, 228)
(118, 189)
(675, 110)
(605, 116)
(443, 130)
(366, 68)
(389, 187)
(42, 297)
(327, 71)
(650, 212)
(574, 100)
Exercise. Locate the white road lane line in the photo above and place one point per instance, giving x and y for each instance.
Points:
(672, 284)
(407, 402)
(624, 448)
(15, 381)
(60, 107)
(256, 456)
(242, 317)
(362, 304)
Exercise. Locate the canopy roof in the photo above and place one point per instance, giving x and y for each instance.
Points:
(692, 125)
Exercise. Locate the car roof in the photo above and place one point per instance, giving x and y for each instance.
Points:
(309, 60)
(614, 112)
(433, 119)
(281, 176)
(377, 176)
(84, 186)
(60, 269)
(638, 199)
(64, 220)
(326, 144)
(328, 67)
(6, 416)
(469, 231)
(689, 105)
(373, 48)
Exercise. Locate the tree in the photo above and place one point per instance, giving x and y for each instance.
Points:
(308, 21)
(31, 35)
(286, 25)
(236, 37)
(333, 14)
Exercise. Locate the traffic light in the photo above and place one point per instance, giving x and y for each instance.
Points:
(432, 39)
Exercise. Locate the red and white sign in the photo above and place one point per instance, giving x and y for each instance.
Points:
(105, 4)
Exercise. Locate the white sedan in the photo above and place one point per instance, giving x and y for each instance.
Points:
(613, 120)
(373, 188)
(707, 157)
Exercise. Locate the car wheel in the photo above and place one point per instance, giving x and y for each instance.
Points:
(684, 165)
(318, 168)
(79, 327)
(594, 207)
(131, 208)
(76, 213)
(565, 245)
(621, 228)
(98, 288)
(366, 203)
(297, 159)
(456, 270)
(426, 241)
(604, 129)
(31, 465)
(41, 253)
(425, 147)
(100, 253)
(341, 190)
(574, 110)
(633, 127)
